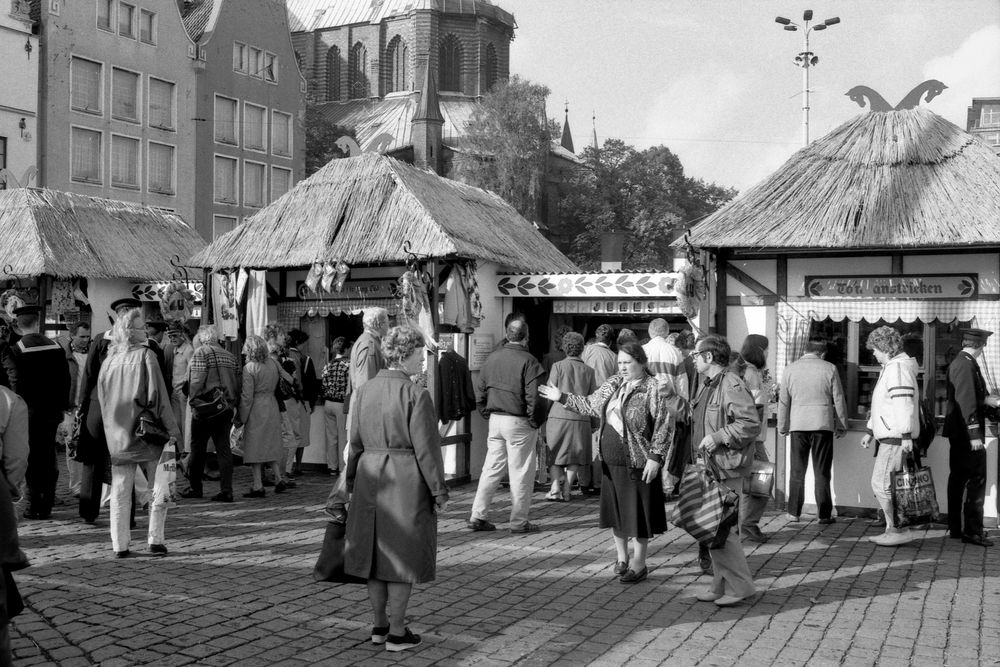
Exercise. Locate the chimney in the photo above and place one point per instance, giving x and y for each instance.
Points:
(612, 250)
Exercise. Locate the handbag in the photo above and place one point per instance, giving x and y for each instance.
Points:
(706, 508)
(914, 501)
(149, 430)
(330, 564)
(760, 482)
(213, 402)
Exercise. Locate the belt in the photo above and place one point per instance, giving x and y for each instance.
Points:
(387, 450)
(891, 441)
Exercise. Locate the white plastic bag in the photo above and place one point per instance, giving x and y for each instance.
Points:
(236, 440)
(165, 482)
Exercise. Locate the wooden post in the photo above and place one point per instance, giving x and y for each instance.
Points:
(780, 441)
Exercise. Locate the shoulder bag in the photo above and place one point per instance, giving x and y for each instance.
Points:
(213, 402)
(148, 427)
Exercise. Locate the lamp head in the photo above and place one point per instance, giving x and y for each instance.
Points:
(834, 21)
(790, 28)
(819, 26)
(782, 20)
(807, 15)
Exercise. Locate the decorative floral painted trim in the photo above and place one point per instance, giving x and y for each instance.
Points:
(589, 284)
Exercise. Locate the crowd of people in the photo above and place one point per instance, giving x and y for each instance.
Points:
(620, 418)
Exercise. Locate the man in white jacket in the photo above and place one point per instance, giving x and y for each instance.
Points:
(893, 422)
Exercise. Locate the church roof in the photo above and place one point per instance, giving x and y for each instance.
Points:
(428, 108)
(567, 136)
(886, 179)
(310, 15)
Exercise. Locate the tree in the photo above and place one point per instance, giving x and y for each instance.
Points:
(642, 193)
(507, 145)
(321, 139)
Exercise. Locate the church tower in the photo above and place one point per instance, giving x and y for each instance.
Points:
(427, 126)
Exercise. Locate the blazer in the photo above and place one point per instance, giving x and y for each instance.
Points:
(965, 418)
(811, 397)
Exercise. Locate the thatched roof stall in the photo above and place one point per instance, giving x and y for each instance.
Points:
(363, 210)
(896, 179)
(65, 235)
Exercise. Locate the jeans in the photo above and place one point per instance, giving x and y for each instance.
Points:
(336, 432)
(217, 428)
(888, 460)
(510, 447)
(820, 445)
(122, 480)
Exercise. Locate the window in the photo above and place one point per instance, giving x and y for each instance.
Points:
(256, 62)
(126, 20)
(147, 27)
(254, 133)
(281, 133)
(253, 184)
(333, 74)
(270, 67)
(225, 180)
(85, 155)
(281, 181)
(125, 95)
(357, 79)
(225, 120)
(993, 138)
(105, 14)
(161, 104)
(161, 169)
(222, 224)
(450, 64)
(934, 345)
(397, 58)
(240, 62)
(490, 67)
(85, 85)
(990, 115)
(124, 162)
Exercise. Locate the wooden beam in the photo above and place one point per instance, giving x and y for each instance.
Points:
(751, 300)
(721, 308)
(781, 268)
(739, 274)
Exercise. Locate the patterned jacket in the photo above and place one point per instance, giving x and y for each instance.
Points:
(649, 423)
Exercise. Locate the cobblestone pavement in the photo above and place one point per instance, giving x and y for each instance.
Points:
(236, 589)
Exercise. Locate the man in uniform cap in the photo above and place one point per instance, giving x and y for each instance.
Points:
(38, 373)
(964, 424)
(92, 450)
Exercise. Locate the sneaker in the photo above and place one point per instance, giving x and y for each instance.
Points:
(379, 634)
(893, 539)
(478, 525)
(401, 642)
(525, 528)
(158, 549)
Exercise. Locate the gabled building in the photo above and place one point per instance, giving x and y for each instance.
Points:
(249, 109)
(117, 96)
(19, 96)
(983, 121)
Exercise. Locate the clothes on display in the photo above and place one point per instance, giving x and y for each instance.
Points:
(256, 302)
(462, 305)
(224, 304)
(455, 397)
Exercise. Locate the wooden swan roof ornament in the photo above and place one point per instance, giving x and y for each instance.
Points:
(927, 90)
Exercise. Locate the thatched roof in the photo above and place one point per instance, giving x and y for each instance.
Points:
(362, 210)
(65, 235)
(891, 179)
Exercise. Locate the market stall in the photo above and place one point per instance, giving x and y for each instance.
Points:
(73, 255)
(892, 218)
(372, 231)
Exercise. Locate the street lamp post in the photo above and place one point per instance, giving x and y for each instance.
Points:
(806, 59)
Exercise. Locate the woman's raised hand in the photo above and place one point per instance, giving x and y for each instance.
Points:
(550, 392)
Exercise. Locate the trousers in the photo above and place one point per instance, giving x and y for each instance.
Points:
(336, 432)
(967, 479)
(752, 507)
(818, 444)
(217, 429)
(730, 572)
(43, 471)
(122, 481)
(510, 448)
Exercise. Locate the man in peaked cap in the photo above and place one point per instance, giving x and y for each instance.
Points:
(964, 424)
(38, 373)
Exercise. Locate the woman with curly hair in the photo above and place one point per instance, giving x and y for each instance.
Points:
(567, 433)
(893, 421)
(260, 416)
(396, 474)
(636, 437)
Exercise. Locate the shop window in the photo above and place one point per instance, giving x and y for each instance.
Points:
(934, 345)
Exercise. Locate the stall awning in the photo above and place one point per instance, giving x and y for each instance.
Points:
(596, 285)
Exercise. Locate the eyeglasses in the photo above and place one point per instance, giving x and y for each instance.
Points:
(700, 353)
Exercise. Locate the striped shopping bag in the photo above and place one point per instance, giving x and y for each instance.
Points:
(706, 508)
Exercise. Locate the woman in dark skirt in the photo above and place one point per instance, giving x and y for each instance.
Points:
(636, 437)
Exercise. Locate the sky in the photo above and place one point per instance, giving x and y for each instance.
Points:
(715, 81)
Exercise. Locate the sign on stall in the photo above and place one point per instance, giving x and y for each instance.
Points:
(928, 286)
(480, 347)
(621, 307)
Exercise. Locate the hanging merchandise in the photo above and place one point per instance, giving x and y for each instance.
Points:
(177, 303)
(457, 309)
(342, 271)
(467, 272)
(313, 278)
(10, 301)
(224, 302)
(329, 273)
(415, 306)
(62, 297)
(256, 302)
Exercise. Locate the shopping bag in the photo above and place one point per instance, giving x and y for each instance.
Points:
(914, 501)
(165, 480)
(330, 564)
(760, 481)
(236, 440)
(706, 508)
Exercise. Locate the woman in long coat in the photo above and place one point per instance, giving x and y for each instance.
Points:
(260, 416)
(567, 433)
(129, 382)
(396, 475)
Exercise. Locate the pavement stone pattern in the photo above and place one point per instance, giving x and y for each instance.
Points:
(236, 589)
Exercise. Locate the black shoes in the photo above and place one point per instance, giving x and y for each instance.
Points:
(191, 493)
(379, 634)
(158, 549)
(525, 528)
(223, 497)
(280, 487)
(621, 567)
(401, 642)
(123, 554)
(826, 521)
(633, 577)
(255, 493)
(478, 525)
(754, 534)
(979, 540)
(29, 514)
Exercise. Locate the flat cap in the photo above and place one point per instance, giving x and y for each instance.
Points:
(127, 302)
